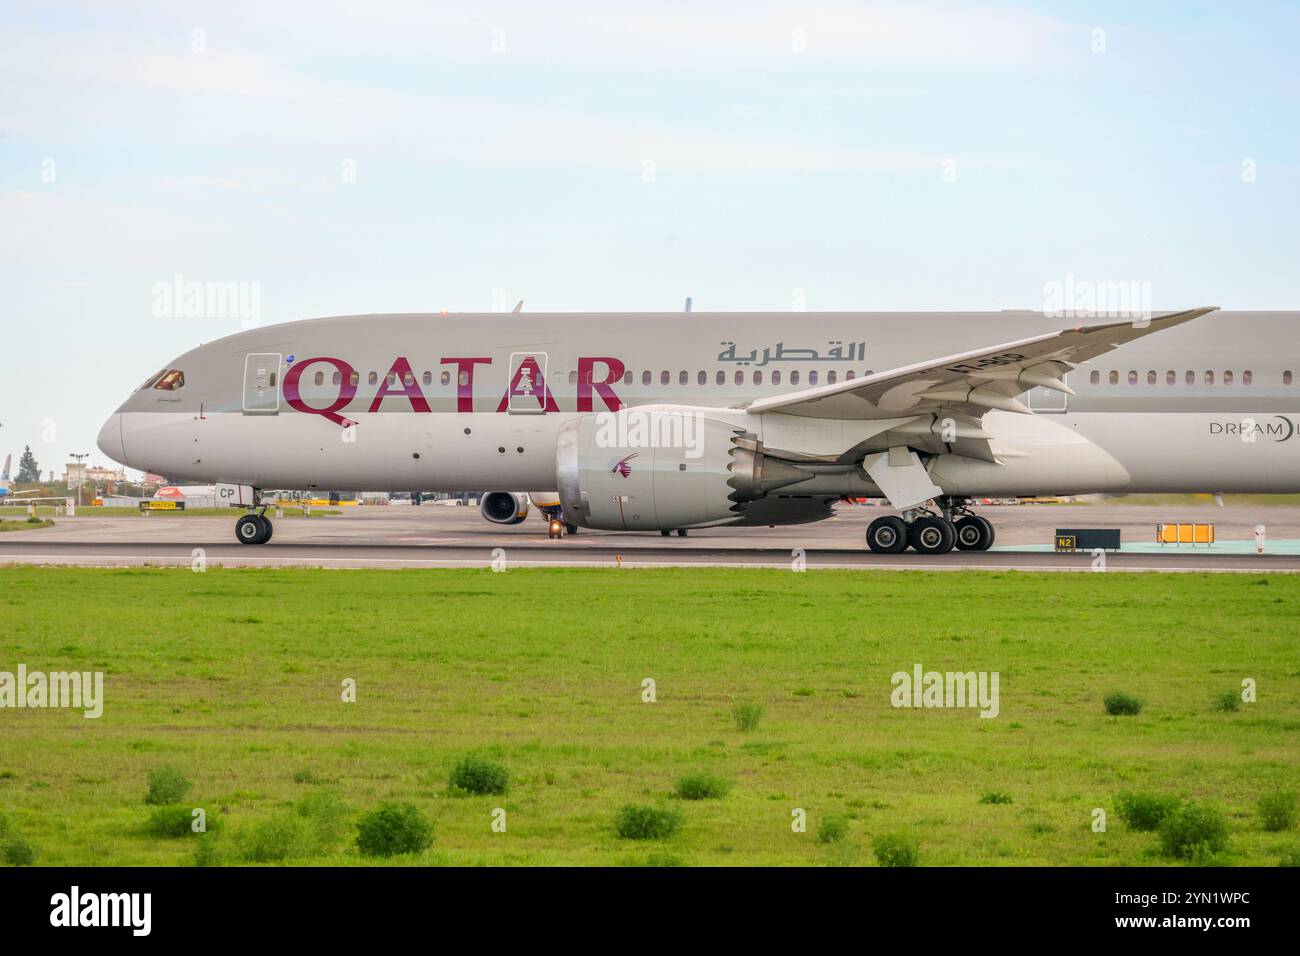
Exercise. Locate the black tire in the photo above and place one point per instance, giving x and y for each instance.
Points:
(931, 535)
(270, 529)
(681, 532)
(250, 530)
(974, 533)
(571, 529)
(665, 534)
(887, 535)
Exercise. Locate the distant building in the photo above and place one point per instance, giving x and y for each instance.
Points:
(95, 474)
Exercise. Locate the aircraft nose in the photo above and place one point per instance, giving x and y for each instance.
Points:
(110, 439)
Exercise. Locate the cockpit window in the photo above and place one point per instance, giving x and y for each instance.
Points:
(148, 383)
(170, 380)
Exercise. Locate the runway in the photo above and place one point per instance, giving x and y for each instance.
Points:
(436, 536)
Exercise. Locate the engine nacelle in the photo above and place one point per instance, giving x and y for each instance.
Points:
(657, 467)
(503, 507)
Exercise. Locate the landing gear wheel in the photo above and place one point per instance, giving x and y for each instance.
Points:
(931, 535)
(270, 529)
(887, 535)
(570, 529)
(253, 529)
(681, 532)
(665, 534)
(974, 533)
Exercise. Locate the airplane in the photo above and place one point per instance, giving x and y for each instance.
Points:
(10, 497)
(662, 421)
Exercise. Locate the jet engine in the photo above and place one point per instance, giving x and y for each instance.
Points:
(661, 467)
(504, 507)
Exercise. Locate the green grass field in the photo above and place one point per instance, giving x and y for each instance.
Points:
(235, 678)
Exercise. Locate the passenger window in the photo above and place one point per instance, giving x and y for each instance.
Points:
(391, 378)
(1227, 378)
(848, 376)
(1113, 378)
(462, 378)
(663, 378)
(320, 378)
(758, 377)
(681, 378)
(702, 378)
(1132, 377)
(354, 379)
(174, 379)
(812, 377)
(830, 377)
(1171, 378)
(1286, 378)
(445, 378)
(776, 376)
(1095, 378)
(374, 378)
(1151, 377)
(337, 378)
(1190, 377)
(428, 378)
(645, 378)
(627, 378)
(740, 377)
(1246, 378)
(721, 377)
(794, 377)
(1209, 378)
(573, 378)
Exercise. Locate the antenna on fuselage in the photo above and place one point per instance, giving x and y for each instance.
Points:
(688, 304)
(519, 307)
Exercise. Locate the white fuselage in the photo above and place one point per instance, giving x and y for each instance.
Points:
(418, 402)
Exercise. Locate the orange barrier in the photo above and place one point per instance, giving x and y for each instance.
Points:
(1192, 534)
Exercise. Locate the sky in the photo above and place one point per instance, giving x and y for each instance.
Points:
(333, 158)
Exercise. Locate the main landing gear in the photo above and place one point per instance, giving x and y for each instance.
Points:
(929, 533)
(254, 528)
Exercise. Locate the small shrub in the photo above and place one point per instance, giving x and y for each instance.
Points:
(895, 849)
(205, 850)
(16, 851)
(1290, 857)
(326, 814)
(1277, 810)
(1120, 704)
(1145, 812)
(285, 836)
(747, 714)
(1228, 702)
(392, 829)
(479, 776)
(167, 785)
(306, 775)
(176, 820)
(702, 786)
(995, 796)
(832, 829)
(1193, 832)
(633, 822)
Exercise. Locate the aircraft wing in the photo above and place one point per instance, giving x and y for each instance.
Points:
(971, 383)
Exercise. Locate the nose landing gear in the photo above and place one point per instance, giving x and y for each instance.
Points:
(254, 528)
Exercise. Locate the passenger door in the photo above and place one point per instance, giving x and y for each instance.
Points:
(262, 383)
